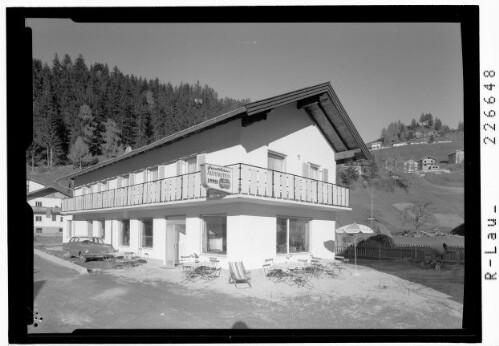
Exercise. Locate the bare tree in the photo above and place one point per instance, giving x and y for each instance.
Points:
(420, 214)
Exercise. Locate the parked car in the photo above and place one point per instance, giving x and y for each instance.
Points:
(87, 248)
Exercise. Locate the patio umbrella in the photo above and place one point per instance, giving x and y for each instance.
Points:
(354, 228)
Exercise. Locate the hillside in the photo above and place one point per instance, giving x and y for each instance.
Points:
(416, 151)
(445, 191)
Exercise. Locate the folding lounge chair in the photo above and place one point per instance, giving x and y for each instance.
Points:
(237, 274)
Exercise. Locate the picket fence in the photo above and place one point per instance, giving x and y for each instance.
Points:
(455, 254)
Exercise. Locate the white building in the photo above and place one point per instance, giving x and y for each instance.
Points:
(274, 176)
(46, 200)
(376, 145)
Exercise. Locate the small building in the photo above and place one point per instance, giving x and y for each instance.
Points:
(400, 144)
(255, 183)
(376, 145)
(428, 164)
(457, 157)
(45, 200)
(391, 165)
(410, 166)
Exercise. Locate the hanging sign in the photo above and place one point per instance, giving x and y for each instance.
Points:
(216, 177)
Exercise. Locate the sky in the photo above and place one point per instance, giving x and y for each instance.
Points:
(381, 72)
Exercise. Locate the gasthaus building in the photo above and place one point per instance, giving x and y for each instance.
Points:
(255, 183)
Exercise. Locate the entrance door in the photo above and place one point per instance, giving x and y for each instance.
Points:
(175, 232)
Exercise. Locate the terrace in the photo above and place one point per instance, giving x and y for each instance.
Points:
(247, 182)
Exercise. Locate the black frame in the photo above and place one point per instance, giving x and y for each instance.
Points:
(19, 97)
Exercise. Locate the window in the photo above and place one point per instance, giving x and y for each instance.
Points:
(38, 204)
(104, 186)
(38, 218)
(125, 233)
(153, 174)
(292, 235)
(60, 230)
(147, 233)
(275, 161)
(54, 217)
(314, 171)
(215, 234)
(124, 180)
(61, 218)
(38, 230)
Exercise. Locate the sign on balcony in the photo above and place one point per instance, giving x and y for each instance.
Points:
(216, 177)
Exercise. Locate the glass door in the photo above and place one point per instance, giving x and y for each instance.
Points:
(175, 235)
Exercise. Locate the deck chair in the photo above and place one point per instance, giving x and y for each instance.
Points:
(237, 274)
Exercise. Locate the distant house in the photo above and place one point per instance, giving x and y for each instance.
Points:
(457, 157)
(45, 200)
(428, 164)
(376, 145)
(410, 166)
(418, 134)
(391, 165)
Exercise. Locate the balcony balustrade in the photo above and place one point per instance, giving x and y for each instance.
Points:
(247, 180)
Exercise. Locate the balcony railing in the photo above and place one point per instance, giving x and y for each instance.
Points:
(247, 180)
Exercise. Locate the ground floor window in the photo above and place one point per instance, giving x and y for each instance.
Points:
(60, 230)
(215, 234)
(38, 218)
(38, 230)
(125, 233)
(147, 233)
(292, 235)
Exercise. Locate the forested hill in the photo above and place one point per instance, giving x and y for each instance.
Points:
(82, 112)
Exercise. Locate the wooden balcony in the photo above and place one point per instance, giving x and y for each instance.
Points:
(247, 181)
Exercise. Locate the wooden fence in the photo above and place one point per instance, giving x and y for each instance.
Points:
(455, 254)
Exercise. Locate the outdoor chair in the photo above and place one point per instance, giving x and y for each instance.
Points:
(271, 273)
(299, 278)
(237, 274)
(213, 271)
(190, 274)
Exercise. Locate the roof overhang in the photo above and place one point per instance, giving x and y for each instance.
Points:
(319, 101)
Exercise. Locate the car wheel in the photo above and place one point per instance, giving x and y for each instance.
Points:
(82, 258)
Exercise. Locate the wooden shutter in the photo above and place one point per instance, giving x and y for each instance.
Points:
(306, 168)
(131, 179)
(325, 174)
(179, 167)
(161, 172)
(118, 182)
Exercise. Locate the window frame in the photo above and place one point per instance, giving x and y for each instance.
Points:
(38, 204)
(203, 230)
(142, 233)
(277, 154)
(38, 218)
(308, 230)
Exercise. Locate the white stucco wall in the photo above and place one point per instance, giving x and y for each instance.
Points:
(251, 230)
(286, 130)
(46, 202)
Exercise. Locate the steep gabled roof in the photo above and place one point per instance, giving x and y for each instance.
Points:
(319, 101)
(48, 190)
(48, 186)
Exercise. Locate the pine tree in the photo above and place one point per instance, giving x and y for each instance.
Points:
(111, 145)
(438, 124)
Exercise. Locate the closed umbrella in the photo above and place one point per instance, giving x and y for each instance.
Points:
(354, 228)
